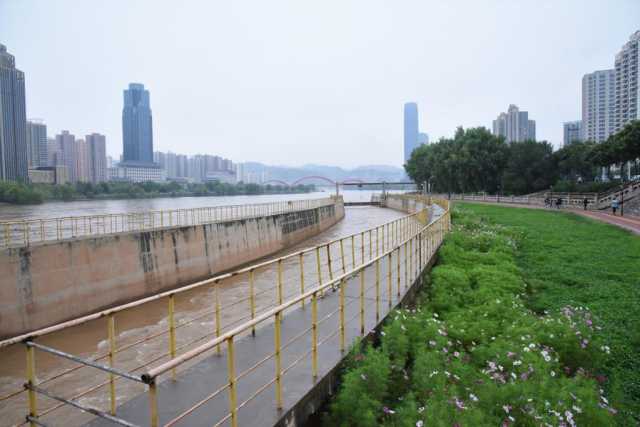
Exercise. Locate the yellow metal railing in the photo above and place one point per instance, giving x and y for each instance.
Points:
(269, 286)
(24, 232)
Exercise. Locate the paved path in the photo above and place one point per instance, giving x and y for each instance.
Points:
(631, 223)
(255, 364)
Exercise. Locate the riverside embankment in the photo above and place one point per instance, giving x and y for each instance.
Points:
(151, 320)
(56, 280)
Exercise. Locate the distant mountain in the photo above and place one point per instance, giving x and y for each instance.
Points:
(334, 173)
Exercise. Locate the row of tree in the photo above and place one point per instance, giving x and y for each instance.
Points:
(21, 193)
(475, 160)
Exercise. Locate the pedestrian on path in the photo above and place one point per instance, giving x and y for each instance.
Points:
(558, 203)
(585, 202)
(614, 205)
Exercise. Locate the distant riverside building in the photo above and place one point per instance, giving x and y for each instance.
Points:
(141, 172)
(627, 68)
(97, 156)
(36, 143)
(598, 105)
(410, 129)
(13, 120)
(48, 175)
(572, 132)
(66, 154)
(514, 125)
(137, 126)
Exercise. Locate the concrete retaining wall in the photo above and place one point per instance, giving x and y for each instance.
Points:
(52, 282)
(403, 204)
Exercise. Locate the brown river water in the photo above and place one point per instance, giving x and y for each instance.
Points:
(89, 340)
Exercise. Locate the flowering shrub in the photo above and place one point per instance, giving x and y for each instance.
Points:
(473, 354)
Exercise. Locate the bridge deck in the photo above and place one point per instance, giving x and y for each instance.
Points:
(209, 374)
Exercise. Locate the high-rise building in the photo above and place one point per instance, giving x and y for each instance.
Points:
(13, 120)
(598, 105)
(627, 68)
(97, 153)
(67, 154)
(137, 126)
(82, 161)
(410, 129)
(572, 132)
(36, 143)
(514, 125)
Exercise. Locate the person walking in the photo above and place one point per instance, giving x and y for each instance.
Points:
(585, 202)
(614, 205)
(558, 203)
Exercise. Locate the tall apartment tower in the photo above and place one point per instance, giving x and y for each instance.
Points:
(598, 105)
(13, 120)
(411, 133)
(627, 67)
(137, 126)
(572, 132)
(67, 154)
(97, 156)
(514, 125)
(36, 143)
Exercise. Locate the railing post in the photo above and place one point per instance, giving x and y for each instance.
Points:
(362, 302)
(153, 401)
(302, 276)
(232, 382)
(31, 381)
(382, 242)
(217, 314)
(278, 356)
(314, 335)
(353, 250)
(343, 284)
(377, 290)
(318, 265)
(111, 333)
(377, 241)
(344, 267)
(406, 263)
(329, 261)
(172, 331)
(398, 271)
(389, 284)
(370, 245)
(411, 266)
(252, 299)
(280, 291)
(362, 246)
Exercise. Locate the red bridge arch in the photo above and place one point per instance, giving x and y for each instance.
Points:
(298, 181)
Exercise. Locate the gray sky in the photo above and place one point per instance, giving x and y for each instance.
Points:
(295, 82)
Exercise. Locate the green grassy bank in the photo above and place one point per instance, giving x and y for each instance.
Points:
(530, 318)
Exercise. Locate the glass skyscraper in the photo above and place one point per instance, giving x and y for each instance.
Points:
(13, 120)
(137, 132)
(411, 133)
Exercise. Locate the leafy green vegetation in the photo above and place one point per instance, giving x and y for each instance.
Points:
(475, 160)
(20, 193)
(506, 333)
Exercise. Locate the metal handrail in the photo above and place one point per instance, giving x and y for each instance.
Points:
(16, 233)
(387, 231)
(150, 377)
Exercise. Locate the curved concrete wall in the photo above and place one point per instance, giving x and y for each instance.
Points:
(52, 282)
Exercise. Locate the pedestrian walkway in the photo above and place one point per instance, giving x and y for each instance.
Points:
(630, 223)
(259, 380)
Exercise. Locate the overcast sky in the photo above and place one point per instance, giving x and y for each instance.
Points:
(295, 81)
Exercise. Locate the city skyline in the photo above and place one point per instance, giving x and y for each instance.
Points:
(236, 97)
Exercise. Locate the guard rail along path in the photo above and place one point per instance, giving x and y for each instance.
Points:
(25, 232)
(251, 359)
(595, 201)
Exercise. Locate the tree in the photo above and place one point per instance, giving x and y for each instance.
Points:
(530, 167)
(575, 162)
